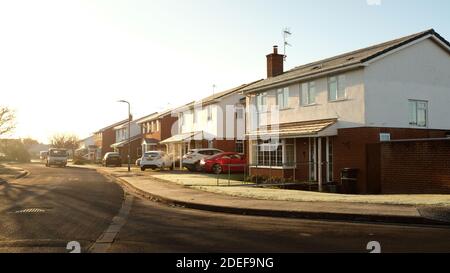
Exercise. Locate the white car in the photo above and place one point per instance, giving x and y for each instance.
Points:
(156, 159)
(192, 159)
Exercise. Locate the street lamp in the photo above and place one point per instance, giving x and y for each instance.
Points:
(129, 125)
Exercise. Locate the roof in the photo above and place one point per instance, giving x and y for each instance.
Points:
(141, 120)
(111, 126)
(217, 96)
(295, 129)
(345, 61)
(154, 116)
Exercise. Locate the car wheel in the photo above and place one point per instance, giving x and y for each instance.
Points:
(190, 169)
(217, 169)
(197, 167)
(143, 169)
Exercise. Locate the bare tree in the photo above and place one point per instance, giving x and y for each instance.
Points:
(7, 120)
(65, 141)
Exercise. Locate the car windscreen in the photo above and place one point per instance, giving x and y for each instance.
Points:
(151, 154)
(58, 153)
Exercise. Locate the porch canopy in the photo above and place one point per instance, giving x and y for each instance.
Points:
(187, 137)
(125, 142)
(316, 128)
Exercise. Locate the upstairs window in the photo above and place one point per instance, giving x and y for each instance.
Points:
(181, 118)
(194, 116)
(308, 93)
(239, 113)
(283, 98)
(261, 102)
(209, 112)
(336, 88)
(418, 113)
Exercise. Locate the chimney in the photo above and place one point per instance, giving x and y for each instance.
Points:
(275, 63)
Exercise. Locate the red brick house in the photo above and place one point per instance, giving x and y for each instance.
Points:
(106, 137)
(313, 121)
(155, 128)
(122, 143)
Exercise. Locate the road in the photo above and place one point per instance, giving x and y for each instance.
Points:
(52, 206)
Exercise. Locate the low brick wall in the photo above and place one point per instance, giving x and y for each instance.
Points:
(415, 167)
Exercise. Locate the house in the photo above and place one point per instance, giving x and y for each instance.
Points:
(125, 141)
(106, 137)
(87, 149)
(156, 128)
(312, 122)
(217, 121)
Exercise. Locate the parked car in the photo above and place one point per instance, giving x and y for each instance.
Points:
(56, 157)
(112, 159)
(224, 162)
(192, 159)
(43, 156)
(156, 159)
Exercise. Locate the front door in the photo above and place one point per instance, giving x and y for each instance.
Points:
(320, 159)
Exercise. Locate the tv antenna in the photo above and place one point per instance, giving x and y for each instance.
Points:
(214, 88)
(286, 33)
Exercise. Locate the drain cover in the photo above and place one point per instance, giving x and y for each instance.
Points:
(30, 211)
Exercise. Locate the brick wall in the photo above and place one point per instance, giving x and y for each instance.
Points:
(135, 151)
(108, 139)
(351, 149)
(415, 167)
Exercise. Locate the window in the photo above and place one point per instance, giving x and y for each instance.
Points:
(239, 146)
(181, 117)
(194, 116)
(336, 88)
(308, 93)
(385, 137)
(261, 102)
(418, 113)
(283, 98)
(269, 153)
(239, 113)
(209, 112)
(158, 125)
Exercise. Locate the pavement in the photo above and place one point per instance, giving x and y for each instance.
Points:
(151, 186)
(9, 172)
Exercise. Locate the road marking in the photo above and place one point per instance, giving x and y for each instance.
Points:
(105, 240)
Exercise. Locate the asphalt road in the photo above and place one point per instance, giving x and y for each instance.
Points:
(79, 205)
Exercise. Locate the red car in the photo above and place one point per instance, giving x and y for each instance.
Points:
(223, 163)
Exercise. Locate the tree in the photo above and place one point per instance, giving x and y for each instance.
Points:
(65, 141)
(29, 142)
(7, 120)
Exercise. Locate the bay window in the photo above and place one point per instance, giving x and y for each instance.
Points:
(273, 153)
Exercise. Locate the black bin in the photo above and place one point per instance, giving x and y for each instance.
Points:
(349, 181)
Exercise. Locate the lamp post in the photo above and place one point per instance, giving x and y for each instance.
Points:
(129, 125)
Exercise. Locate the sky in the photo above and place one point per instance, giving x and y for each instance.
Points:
(64, 64)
